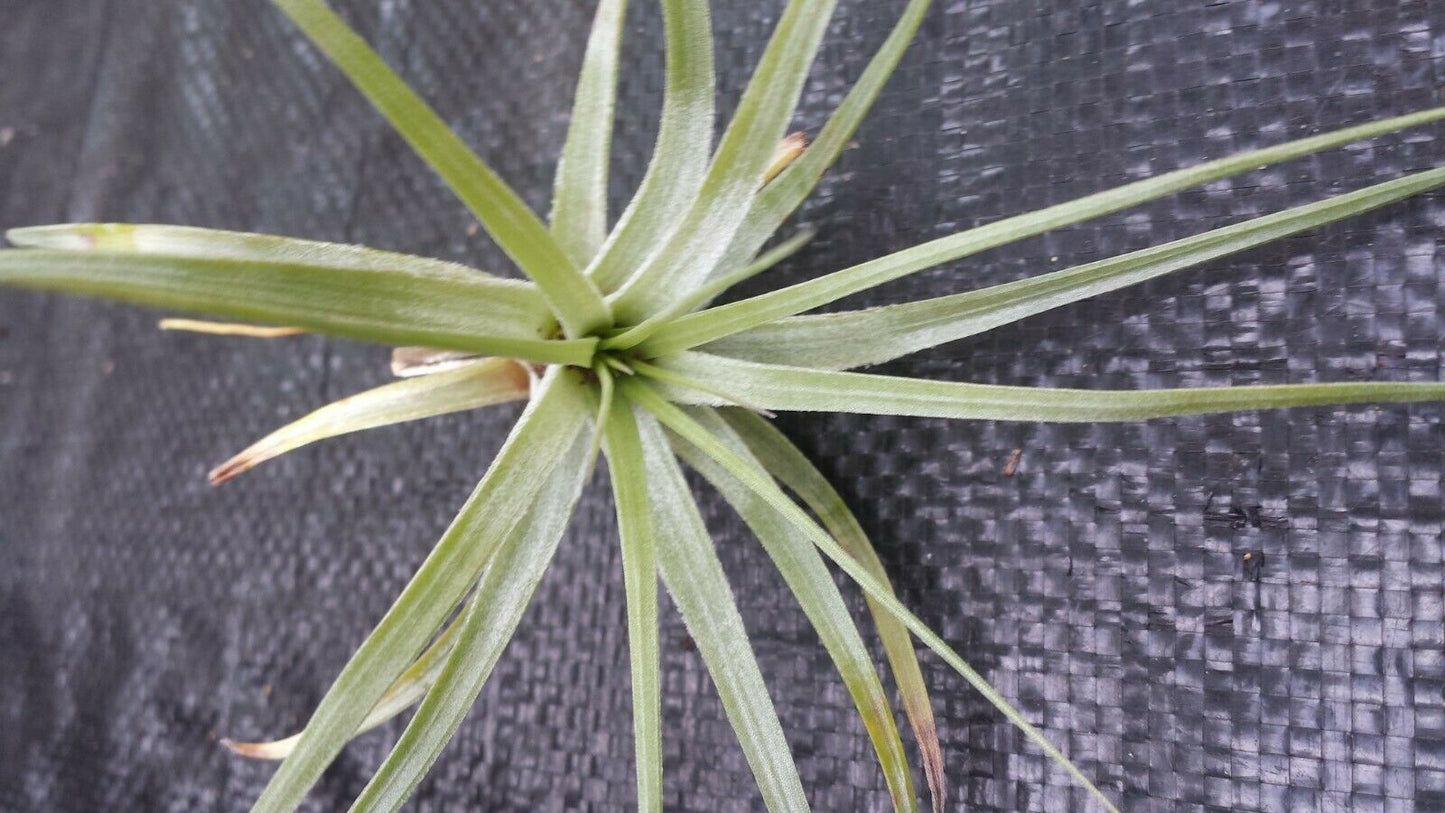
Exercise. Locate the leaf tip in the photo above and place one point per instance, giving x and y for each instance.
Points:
(228, 329)
(74, 236)
(276, 750)
(933, 770)
(233, 468)
(785, 154)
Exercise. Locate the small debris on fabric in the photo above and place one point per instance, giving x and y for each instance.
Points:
(1013, 463)
(1253, 565)
(7, 135)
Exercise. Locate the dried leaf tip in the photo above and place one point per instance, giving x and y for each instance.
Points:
(229, 329)
(276, 750)
(410, 362)
(238, 465)
(932, 753)
(785, 154)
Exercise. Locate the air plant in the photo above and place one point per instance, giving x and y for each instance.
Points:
(616, 347)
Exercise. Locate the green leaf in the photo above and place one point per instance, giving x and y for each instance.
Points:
(762, 484)
(779, 457)
(408, 689)
(713, 289)
(574, 299)
(838, 341)
(639, 569)
(490, 621)
(737, 170)
(478, 384)
(797, 389)
(781, 197)
(550, 427)
(579, 200)
(812, 584)
(695, 578)
(706, 326)
(680, 156)
(393, 306)
(189, 241)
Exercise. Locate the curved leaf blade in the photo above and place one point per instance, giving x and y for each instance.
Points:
(478, 384)
(736, 174)
(520, 233)
(550, 427)
(579, 199)
(784, 461)
(761, 484)
(839, 341)
(392, 306)
(491, 619)
(803, 569)
(797, 389)
(680, 155)
(695, 578)
(639, 568)
(710, 325)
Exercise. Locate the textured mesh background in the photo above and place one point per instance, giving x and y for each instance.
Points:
(1103, 587)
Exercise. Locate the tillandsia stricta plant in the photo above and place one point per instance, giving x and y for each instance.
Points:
(617, 349)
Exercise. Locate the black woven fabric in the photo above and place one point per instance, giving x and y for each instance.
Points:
(1103, 586)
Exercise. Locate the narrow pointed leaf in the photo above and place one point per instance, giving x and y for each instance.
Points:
(408, 689)
(394, 306)
(490, 620)
(797, 389)
(736, 174)
(695, 578)
(639, 568)
(760, 483)
(707, 326)
(189, 241)
(518, 230)
(680, 156)
(779, 457)
(792, 186)
(479, 384)
(579, 200)
(857, 338)
(808, 577)
(546, 431)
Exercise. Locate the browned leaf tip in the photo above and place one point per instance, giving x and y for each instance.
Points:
(233, 468)
(926, 732)
(785, 154)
